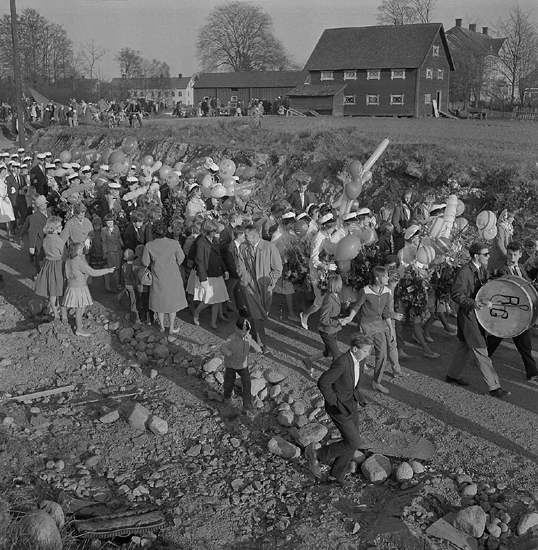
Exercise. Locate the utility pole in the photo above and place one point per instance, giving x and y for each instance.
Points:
(17, 72)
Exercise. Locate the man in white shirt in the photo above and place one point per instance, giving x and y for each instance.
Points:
(340, 388)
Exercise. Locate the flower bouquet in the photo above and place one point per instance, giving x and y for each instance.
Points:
(413, 289)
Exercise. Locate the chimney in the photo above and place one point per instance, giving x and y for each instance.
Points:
(485, 30)
(180, 75)
(472, 27)
(458, 22)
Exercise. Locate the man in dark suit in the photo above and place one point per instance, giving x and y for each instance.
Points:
(523, 342)
(472, 342)
(340, 388)
(38, 176)
(300, 199)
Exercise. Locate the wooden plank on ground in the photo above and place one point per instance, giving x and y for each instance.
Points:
(45, 393)
(448, 115)
(443, 529)
(435, 109)
(400, 444)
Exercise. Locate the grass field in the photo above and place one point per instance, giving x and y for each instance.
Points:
(494, 139)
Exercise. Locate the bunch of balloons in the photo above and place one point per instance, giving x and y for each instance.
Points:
(486, 222)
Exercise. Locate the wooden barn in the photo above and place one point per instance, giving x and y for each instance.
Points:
(390, 70)
(232, 87)
(328, 98)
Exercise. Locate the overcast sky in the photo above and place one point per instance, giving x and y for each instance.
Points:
(166, 29)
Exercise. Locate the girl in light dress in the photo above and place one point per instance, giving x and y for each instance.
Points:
(78, 294)
(50, 281)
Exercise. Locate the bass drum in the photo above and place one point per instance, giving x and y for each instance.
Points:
(514, 306)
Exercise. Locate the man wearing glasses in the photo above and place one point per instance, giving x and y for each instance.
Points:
(471, 339)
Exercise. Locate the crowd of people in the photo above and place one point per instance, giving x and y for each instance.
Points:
(170, 247)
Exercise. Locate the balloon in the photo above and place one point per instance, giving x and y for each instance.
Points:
(260, 174)
(65, 156)
(205, 180)
(355, 169)
(460, 208)
(186, 168)
(228, 182)
(218, 191)
(95, 157)
(425, 254)
(228, 204)
(206, 192)
(344, 266)
(347, 248)
(330, 247)
(165, 171)
(100, 181)
(353, 189)
(449, 216)
(301, 227)
(249, 172)
(226, 168)
(172, 180)
(368, 236)
(105, 154)
(489, 234)
(129, 144)
(116, 156)
(239, 171)
(486, 220)
(75, 154)
(178, 166)
(436, 227)
(461, 224)
(442, 244)
(117, 168)
(376, 154)
(148, 160)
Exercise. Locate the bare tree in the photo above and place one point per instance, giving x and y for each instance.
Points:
(405, 12)
(424, 10)
(155, 68)
(519, 54)
(239, 36)
(91, 53)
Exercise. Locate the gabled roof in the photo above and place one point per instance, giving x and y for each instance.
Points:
(165, 83)
(261, 79)
(381, 47)
(467, 39)
(317, 90)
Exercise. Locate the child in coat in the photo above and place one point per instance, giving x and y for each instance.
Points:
(235, 351)
(330, 323)
(142, 291)
(78, 294)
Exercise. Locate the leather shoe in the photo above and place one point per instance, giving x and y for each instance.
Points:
(311, 455)
(499, 393)
(458, 381)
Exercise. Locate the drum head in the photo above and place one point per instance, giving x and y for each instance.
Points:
(514, 306)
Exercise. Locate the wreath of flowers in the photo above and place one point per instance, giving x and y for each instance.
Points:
(413, 289)
(295, 269)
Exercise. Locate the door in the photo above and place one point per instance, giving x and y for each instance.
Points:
(439, 96)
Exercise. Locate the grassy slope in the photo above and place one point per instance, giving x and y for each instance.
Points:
(490, 164)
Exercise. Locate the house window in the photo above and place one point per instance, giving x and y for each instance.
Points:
(327, 75)
(429, 74)
(349, 100)
(440, 74)
(428, 99)
(396, 99)
(350, 75)
(179, 94)
(373, 75)
(233, 98)
(397, 73)
(372, 99)
(435, 51)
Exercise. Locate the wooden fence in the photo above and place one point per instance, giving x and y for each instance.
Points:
(520, 113)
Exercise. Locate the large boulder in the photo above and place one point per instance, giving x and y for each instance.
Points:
(274, 377)
(471, 520)
(311, 433)
(376, 469)
(285, 418)
(125, 335)
(212, 365)
(257, 385)
(280, 447)
(527, 521)
(54, 510)
(38, 530)
(138, 417)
